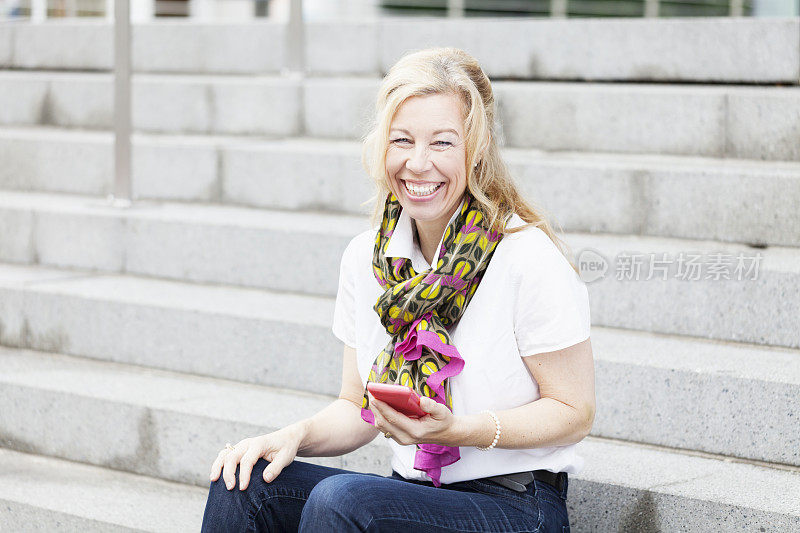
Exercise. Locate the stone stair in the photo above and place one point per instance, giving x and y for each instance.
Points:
(629, 194)
(162, 321)
(733, 121)
(40, 493)
(168, 423)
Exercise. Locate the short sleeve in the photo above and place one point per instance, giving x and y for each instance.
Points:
(552, 303)
(344, 317)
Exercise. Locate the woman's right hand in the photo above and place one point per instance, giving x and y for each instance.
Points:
(279, 448)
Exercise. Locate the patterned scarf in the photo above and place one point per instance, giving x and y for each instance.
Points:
(418, 308)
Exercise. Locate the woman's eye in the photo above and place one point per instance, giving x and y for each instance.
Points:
(403, 139)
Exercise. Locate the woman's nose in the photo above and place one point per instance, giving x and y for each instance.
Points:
(419, 161)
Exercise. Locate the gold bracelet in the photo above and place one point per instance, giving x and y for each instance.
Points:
(497, 433)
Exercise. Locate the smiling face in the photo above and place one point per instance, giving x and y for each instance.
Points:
(426, 153)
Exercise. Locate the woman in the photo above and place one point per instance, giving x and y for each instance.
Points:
(505, 373)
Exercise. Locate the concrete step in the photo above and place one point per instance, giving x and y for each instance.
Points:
(304, 173)
(632, 194)
(716, 49)
(717, 397)
(188, 326)
(716, 121)
(632, 488)
(624, 486)
(130, 240)
(273, 338)
(166, 424)
(253, 105)
(703, 288)
(734, 121)
(45, 494)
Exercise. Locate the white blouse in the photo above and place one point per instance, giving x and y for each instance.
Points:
(529, 301)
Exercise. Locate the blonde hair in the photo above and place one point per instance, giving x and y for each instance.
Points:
(449, 70)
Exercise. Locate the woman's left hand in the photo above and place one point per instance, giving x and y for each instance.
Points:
(437, 427)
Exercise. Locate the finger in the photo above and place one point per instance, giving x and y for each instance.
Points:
(379, 423)
(379, 408)
(391, 417)
(374, 405)
(246, 468)
(279, 461)
(229, 467)
(434, 408)
(395, 432)
(216, 468)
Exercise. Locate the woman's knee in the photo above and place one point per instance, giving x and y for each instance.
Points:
(337, 502)
(227, 510)
(339, 489)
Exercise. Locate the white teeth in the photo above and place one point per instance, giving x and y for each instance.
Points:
(421, 191)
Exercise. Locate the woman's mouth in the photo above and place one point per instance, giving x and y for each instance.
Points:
(422, 192)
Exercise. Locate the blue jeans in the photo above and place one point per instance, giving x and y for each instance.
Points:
(312, 498)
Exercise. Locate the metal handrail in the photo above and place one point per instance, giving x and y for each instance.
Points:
(558, 8)
(295, 38)
(122, 196)
(455, 8)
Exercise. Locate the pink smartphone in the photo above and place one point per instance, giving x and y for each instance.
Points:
(400, 397)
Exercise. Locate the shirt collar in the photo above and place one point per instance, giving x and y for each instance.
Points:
(401, 243)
